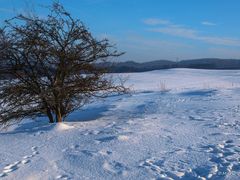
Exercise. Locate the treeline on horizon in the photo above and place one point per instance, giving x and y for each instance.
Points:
(131, 66)
(207, 63)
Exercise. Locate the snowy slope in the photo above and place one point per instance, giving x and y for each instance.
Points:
(178, 124)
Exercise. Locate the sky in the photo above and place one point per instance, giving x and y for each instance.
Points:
(149, 30)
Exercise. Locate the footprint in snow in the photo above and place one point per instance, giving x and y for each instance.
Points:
(74, 146)
(156, 166)
(104, 152)
(89, 153)
(115, 167)
(111, 138)
(210, 125)
(196, 118)
(16, 165)
(38, 133)
(92, 153)
(224, 160)
(215, 134)
(95, 132)
(64, 177)
(106, 139)
(11, 167)
(225, 157)
(152, 164)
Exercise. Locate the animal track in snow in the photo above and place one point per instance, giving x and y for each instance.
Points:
(116, 168)
(111, 138)
(223, 160)
(16, 165)
(224, 157)
(38, 133)
(153, 163)
(106, 139)
(64, 177)
(156, 166)
(104, 152)
(89, 153)
(196, 118)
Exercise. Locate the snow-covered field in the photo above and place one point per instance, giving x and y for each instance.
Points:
(177, 124)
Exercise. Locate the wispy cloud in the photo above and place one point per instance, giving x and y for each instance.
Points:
(141, 48)
(207, 23)
(176, 31)
(156, 21)
(189, 33)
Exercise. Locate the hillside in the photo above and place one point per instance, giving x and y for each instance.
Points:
(189, 130)
(208, 63)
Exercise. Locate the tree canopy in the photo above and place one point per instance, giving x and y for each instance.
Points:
(49, 66)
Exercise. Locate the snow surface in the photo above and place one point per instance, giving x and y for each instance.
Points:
(178, 124)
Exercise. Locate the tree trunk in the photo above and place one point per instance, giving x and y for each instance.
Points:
(50, 117)
(58, 115)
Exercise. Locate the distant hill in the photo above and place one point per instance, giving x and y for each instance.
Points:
(131, 66)
(208, 63)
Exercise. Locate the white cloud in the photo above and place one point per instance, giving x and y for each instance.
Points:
(176, 31)
(189, 33)
(155, 21)
(207, 23)
(140, 48)
(220, 40)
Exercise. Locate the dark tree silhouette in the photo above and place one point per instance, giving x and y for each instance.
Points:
(48, 66)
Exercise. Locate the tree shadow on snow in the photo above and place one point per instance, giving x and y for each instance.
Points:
(89, 114)
(41, 124)
(203, 92)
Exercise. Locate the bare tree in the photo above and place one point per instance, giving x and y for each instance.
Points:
(48, 66)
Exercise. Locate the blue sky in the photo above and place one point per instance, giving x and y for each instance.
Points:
(154, 29)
